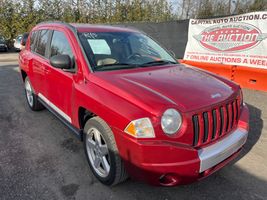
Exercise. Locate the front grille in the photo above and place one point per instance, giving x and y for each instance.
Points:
(217, 122)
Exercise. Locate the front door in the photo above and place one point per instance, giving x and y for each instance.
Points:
(59, 83)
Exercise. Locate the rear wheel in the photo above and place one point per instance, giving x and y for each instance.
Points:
(102, 153)
(31, 98)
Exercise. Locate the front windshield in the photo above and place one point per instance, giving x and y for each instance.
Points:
(119, 50)
(19, 39)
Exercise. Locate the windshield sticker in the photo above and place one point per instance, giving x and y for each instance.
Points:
(90, 35)
(99, 46)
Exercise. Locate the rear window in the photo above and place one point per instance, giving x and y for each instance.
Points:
(19, 38)
(41, 42)
(32, 40)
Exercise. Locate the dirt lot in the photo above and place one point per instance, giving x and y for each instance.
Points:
(41, 159)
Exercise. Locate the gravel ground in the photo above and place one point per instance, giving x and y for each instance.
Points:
(41, 159)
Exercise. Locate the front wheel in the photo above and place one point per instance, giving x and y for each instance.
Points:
(102, 153)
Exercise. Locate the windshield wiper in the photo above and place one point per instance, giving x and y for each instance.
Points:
(157, 62)
(115, 66)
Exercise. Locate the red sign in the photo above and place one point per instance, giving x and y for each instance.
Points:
(230, 38)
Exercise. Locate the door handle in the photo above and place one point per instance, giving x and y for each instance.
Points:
(46, 69)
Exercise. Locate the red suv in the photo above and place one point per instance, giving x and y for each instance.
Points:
(137, 110)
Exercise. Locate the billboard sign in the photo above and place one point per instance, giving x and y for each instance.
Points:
(234, 40)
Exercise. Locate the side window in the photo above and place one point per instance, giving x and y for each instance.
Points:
(42, 42)
(60, 45)
(32, 40)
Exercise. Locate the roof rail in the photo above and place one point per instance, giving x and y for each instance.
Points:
(59, 22)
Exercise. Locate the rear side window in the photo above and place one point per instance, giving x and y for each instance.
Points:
(42, 42)
(32, 40)
(60, 45)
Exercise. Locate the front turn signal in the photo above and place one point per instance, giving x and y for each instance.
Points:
(140, 128)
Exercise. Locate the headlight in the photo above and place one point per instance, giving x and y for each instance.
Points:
(140, 128)
(171, 121)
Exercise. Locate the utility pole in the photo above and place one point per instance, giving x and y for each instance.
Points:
(188, 8)
(236, 7)
(183, 7)
(229, 8)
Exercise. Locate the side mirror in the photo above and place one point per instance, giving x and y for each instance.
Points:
(61, 62)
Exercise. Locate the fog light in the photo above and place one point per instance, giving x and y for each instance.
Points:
(169, 180)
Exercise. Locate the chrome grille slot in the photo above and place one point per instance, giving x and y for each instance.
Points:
(215, 123)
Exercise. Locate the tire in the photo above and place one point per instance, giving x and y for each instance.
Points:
(31, 98)
(105, 153)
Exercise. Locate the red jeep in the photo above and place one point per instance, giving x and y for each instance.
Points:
(137, 110)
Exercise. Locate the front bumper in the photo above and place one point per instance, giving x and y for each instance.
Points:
(170, 163)
(218, 152)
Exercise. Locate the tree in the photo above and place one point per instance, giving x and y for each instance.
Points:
(8, 19)
(206, 9)
(258, 5)
(17, 17)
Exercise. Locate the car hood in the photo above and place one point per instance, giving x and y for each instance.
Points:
(157, 88)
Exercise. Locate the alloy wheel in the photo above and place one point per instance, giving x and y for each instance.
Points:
(98, 153)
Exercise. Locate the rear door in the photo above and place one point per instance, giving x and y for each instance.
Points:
(39, 59)
(59, 83)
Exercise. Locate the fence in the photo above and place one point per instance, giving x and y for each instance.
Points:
(172, 35)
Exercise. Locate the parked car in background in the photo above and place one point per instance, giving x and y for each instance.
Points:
(24, 40)
(17, 43)
(3, 45)
(137, 110)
